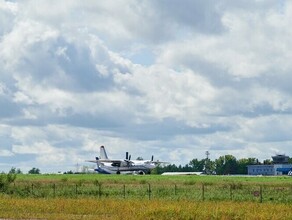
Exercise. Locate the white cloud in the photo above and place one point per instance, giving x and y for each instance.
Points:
(174, 79)
(167, 93)
(8, 10)
(6, 153)
(36, 148)
(25, 36)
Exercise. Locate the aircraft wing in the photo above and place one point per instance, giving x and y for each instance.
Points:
(92, 161)
(110, 161)
(157, 162)
(105, 161)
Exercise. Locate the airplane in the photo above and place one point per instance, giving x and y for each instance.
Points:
(118, 166)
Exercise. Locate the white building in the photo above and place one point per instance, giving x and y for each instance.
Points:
(269, 170)
(280, 166)
(261, 170)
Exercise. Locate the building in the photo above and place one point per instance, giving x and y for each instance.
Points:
(280, 166)
(267, 170)
(280, 159)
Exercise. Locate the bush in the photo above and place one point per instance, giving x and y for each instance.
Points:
(6, 180)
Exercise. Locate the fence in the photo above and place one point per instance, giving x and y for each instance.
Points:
(196, 192)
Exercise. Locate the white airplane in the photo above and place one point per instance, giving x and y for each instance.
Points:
(118, 166)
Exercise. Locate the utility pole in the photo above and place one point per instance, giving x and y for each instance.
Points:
(207, 155)
(77, 168)
(207, 164)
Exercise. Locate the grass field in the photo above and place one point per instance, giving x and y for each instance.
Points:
(146, 197)
(266, 180)
(273, 189)
(138, 209)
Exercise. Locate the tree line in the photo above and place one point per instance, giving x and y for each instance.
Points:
(34, 170)
(224, 165)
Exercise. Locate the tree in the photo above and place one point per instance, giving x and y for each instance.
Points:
(209, 166)
(243, 163)
(18, 171)
(6, 180)
(219, 163)
(226, 165)
(268, 161)
(13, 170)
(197, 165)
(34, 171)
(169, 168)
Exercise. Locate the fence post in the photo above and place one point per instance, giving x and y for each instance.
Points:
(32, 189)
(203, 192)
(175, 189)
(54, 189)
(231, 193)
(261, 194)
(76, 190)
(124, 191)
(149, 191)
(14, 188)
(99, 190)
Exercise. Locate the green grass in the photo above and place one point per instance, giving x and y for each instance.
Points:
(94, 196)
(157, 179)
(196, 188)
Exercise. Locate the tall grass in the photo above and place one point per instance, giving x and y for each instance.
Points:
(143, 190)
(145, 197)
(90, 208)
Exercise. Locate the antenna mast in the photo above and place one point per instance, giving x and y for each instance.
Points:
(207, 163)
(207, 155)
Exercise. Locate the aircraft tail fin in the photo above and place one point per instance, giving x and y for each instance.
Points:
(103, 154)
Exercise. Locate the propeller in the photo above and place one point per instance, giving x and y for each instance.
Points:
(128, 156)
(128, 159)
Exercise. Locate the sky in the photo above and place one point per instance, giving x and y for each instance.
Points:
(168, 78)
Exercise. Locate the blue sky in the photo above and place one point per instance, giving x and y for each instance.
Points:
(169, 78)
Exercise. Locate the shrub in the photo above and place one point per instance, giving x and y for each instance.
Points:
(6, 180)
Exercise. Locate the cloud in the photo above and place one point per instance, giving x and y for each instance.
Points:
(170, 78)
(7, 15)
(6, 153)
